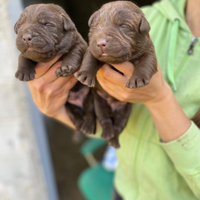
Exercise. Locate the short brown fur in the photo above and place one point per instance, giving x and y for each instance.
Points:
(125, 31)
(118, 32)
(43, 32)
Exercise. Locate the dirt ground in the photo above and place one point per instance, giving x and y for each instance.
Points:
(67, 160)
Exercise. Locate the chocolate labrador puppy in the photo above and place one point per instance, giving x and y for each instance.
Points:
(43, 32)
(119, 32)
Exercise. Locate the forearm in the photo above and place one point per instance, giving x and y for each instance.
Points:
(169, 119)
(180, 138)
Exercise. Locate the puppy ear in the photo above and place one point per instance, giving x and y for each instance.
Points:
(67, 23)
(20, 21)
(92, 18)
(144, 26)
(16, 28)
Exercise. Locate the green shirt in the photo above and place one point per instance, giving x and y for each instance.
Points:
(149, 169)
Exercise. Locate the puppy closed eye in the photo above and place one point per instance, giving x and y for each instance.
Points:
(45, 24)
(124, 26)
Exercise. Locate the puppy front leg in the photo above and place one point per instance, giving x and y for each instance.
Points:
(87, 74)
(143, 71)
(26, 69)
(72, 61)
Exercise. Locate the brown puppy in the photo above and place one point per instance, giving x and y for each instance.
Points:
(118, 32)
(43, 32)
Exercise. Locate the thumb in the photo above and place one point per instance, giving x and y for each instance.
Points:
(43, 67)
(126, 68)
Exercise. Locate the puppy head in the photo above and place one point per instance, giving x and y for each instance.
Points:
(117, 31)
(42, 31)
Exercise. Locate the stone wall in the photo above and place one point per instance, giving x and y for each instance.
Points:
(21, 174)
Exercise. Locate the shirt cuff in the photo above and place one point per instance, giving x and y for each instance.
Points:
(185, 151)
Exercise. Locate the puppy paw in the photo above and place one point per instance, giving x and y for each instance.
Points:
(85, 78)
(114, 142)
(64, 71)
(25, 75)
(88, 127)
(136, 82)
(108, 132)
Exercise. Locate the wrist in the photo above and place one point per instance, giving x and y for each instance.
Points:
(53, 114)
(165, 95)
(57, 115)
(169, 118)
(63, 117)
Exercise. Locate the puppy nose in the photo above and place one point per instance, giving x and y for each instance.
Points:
(27, 38)
(101, 43)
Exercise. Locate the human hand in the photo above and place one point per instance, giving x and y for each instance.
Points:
(49, 92)
(114, 83)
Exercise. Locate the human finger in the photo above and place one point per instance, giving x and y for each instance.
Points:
(67, 82)
(109, 74)
(49, 76)
(109, 89)
(40, 82)
(43, 67)
(125, 67)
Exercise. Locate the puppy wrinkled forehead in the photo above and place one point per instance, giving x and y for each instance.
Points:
(117, 13)
(37, 12)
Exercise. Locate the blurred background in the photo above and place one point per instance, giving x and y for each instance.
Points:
(38, 159)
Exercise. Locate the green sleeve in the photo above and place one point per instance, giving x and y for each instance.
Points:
(185, 154)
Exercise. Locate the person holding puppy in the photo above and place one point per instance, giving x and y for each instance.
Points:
(159, 156)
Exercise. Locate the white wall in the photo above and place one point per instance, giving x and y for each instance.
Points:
(22, 175)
